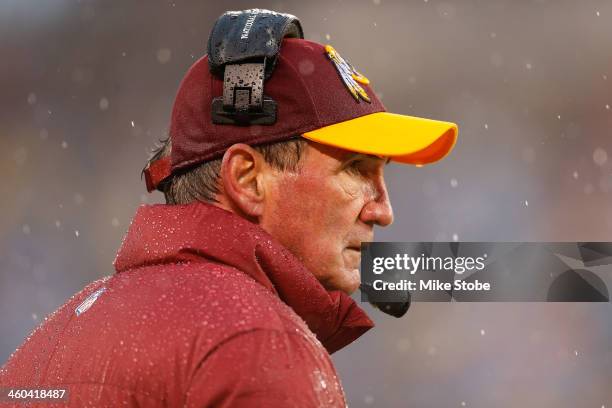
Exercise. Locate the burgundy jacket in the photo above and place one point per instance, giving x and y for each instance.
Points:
(206, 310)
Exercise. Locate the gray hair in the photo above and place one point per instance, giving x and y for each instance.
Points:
(201, 183)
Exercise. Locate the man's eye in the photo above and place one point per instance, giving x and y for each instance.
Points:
(355, 167)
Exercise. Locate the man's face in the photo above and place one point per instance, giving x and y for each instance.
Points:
(323, 212)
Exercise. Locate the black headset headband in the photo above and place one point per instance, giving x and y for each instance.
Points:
(243, 49)
(250, 35)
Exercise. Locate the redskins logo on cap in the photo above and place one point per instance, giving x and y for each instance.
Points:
(349, 75)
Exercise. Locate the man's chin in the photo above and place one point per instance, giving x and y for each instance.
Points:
(352, 281)
(348, 283)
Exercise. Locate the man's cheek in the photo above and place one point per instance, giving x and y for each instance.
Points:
(350, 189)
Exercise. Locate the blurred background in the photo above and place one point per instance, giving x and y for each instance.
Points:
(87, 88)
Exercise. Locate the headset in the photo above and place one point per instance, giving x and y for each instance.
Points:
(243, 49)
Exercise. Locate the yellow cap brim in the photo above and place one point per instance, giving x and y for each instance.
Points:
(405, 139)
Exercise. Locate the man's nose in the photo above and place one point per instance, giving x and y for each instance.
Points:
(378, 210)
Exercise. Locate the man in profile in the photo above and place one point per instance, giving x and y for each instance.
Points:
(236, 291)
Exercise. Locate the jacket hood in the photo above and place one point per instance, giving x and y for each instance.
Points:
(202, 232)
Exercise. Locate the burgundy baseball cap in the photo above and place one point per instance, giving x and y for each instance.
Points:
(319, 96)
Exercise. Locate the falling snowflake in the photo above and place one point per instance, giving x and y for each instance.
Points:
(164, 55)
(600, 156)
(32, 98)
(103, 104)
(78, 198)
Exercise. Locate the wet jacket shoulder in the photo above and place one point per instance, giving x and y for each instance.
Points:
(204, 310)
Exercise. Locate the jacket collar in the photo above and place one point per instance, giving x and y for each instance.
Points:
(177, 233)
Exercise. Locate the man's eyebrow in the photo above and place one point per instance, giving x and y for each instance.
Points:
(366, 156)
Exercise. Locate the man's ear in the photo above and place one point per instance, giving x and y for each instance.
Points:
(242, 177)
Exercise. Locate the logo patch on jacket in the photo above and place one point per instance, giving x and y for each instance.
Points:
(350, 76)
(87, 303)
